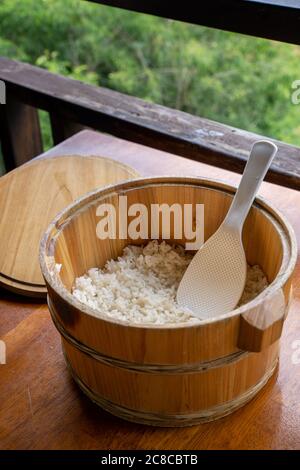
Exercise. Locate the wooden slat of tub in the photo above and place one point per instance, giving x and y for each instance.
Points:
(42, 408)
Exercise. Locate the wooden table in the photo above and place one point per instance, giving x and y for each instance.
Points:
(41, 408)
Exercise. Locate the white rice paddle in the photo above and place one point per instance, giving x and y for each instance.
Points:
(215, 279)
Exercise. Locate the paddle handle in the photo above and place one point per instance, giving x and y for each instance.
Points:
(260, 159)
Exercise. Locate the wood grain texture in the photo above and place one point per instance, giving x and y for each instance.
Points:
(133, 119)
(267, 239)
(43, 409)
(201, 389)
(184, 399)
(30, 197)
(62, 418)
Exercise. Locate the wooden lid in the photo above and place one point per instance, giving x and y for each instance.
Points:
(30, 197)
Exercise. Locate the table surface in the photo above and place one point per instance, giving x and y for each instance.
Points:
(40, 406)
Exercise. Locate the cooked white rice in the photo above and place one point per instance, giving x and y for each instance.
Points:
(256, 282)
(141, 285)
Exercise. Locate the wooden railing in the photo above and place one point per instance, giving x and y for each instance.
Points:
(73, 105)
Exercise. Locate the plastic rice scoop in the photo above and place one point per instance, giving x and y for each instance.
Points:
(215, 279)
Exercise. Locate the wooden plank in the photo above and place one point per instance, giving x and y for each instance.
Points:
(262, 18)
(20, 132)
(13, 309)
(150, 124)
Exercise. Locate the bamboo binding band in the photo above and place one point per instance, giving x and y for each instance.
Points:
(170, 420)
(146, 368)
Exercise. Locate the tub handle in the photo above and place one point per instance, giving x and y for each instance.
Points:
(262, 325)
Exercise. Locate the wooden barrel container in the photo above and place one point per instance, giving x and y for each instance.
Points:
(169, 375)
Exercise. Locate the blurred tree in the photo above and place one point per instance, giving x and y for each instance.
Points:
(231, 78)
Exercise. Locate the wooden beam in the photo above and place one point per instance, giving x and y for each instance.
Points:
(271, 19)
(20, 132)
(143, 122)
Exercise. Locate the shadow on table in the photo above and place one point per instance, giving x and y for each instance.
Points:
(10, 296)
(110, 432)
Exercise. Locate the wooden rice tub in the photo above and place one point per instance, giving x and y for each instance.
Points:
(170, 375)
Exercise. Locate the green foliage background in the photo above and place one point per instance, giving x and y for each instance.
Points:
(238, 80)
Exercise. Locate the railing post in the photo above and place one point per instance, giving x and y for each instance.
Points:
(20, 132)
(62, 128)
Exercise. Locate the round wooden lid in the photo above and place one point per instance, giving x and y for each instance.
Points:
(30, 197)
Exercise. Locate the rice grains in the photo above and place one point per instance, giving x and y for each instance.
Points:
(140, 286)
